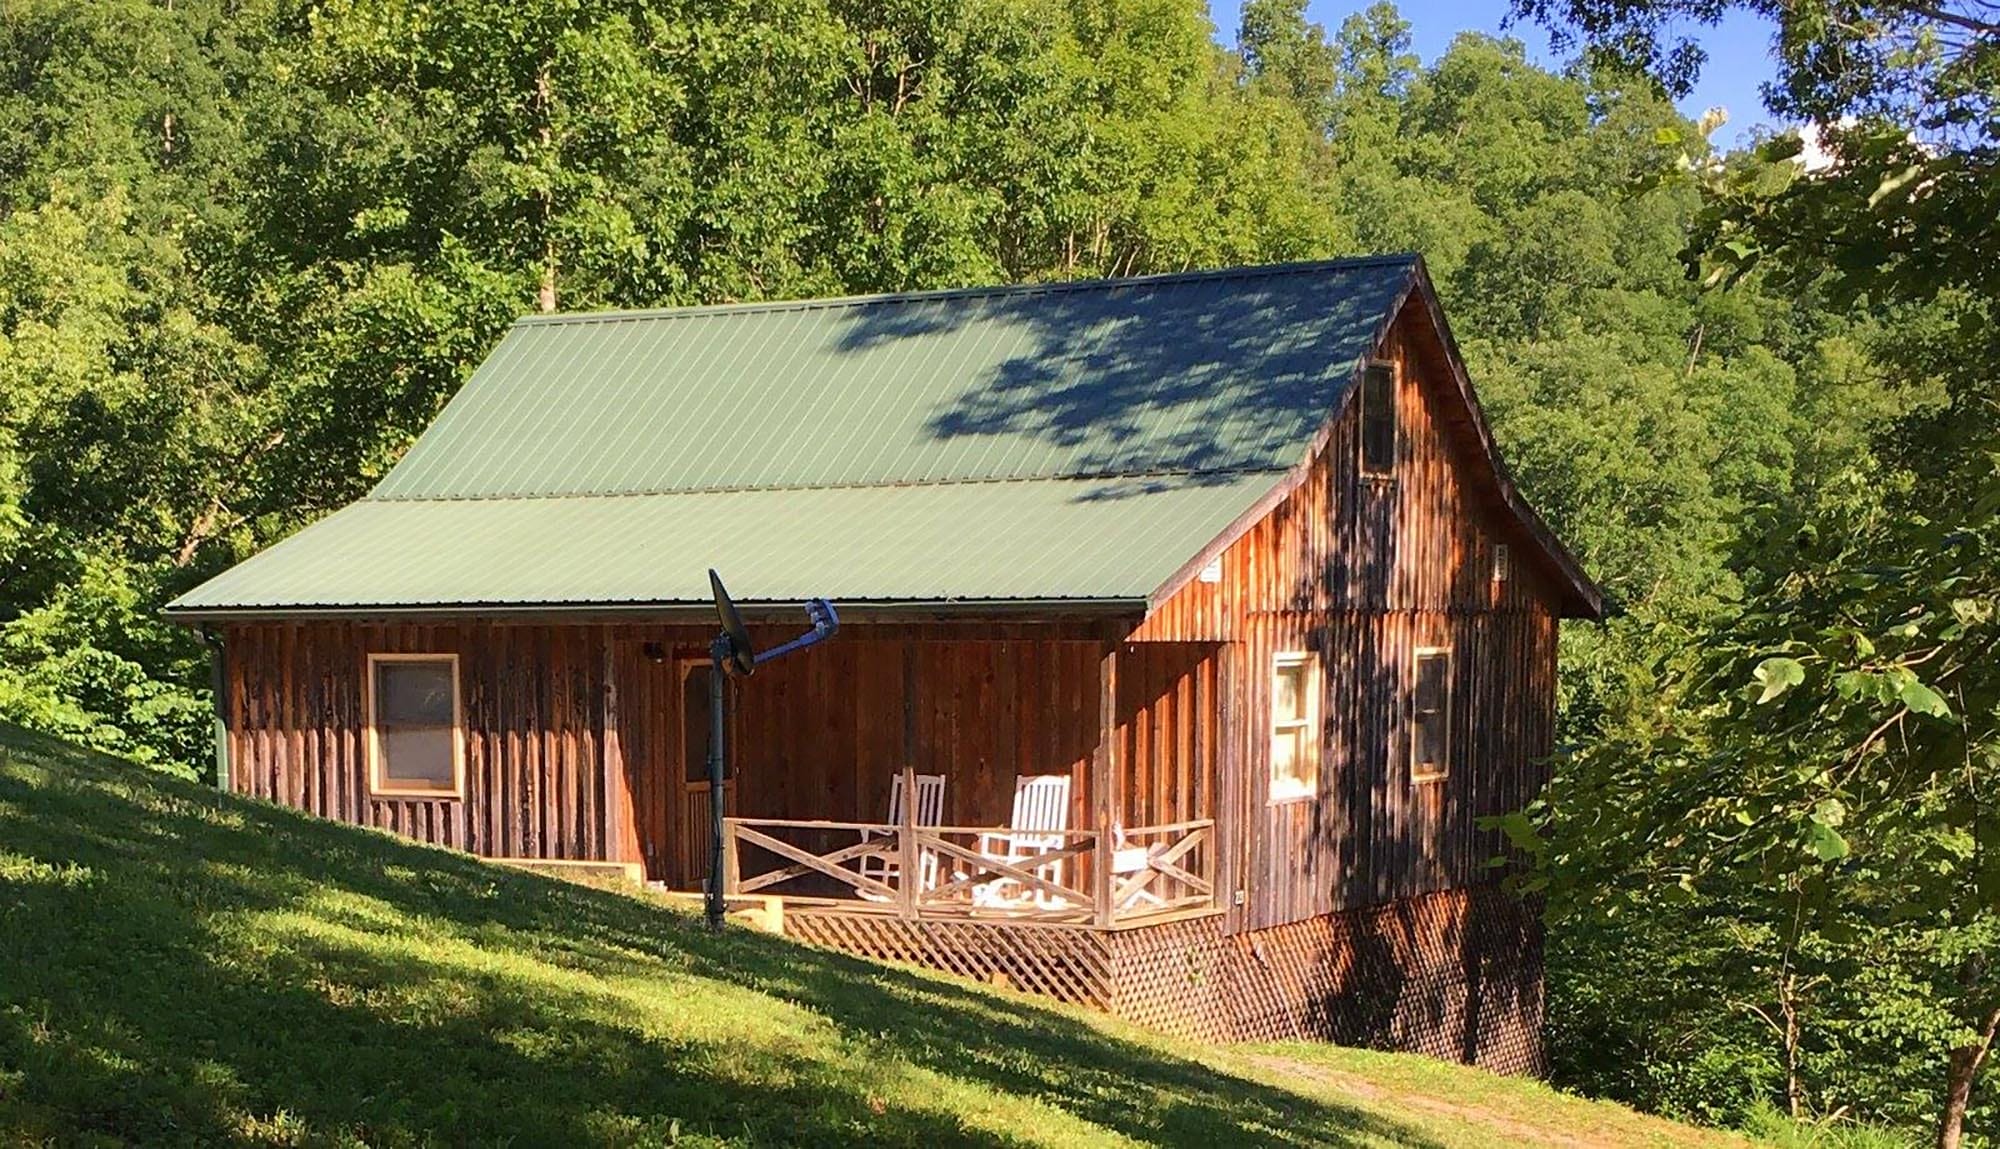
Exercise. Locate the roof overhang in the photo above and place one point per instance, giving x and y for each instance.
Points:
(676, 611)
(1034, 546)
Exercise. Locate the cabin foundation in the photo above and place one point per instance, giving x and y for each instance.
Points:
(1455, 975)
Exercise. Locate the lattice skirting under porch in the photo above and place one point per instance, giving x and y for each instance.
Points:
(1068, 963)
(1456, 975)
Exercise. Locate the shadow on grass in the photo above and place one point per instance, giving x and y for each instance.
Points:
(180, 968)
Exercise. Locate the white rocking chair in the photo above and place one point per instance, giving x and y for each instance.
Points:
(1041, 813)
(886, 868)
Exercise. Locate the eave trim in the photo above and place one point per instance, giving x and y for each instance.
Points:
(774, 610)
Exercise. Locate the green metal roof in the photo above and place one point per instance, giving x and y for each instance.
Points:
(1054, 442)
(1088, 539)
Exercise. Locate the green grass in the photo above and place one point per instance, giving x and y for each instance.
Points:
(1777, 1130)
(177, 967)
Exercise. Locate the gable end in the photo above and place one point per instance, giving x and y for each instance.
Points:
(1415, 335)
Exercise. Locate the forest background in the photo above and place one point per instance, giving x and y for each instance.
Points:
(248, 248)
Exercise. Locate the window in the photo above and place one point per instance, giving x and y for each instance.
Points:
(1378, 419)
(413, 725)
(695, 722)
(1294, 727)
(1430, 716)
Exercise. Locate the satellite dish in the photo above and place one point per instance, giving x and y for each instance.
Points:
(742, 656)
(731, 653)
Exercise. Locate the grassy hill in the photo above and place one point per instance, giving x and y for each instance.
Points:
(177, 967)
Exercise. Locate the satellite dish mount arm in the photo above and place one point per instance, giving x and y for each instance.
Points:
(732, 653)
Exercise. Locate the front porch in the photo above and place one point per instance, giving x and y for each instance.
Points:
(1008, 774)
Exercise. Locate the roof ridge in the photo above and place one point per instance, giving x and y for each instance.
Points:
(927, 484)
(1250, 271)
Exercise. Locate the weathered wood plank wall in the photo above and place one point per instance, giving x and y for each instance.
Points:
(1168, 730)
(1363, 570)
(574, 731)
(825, 735)
(534, 704)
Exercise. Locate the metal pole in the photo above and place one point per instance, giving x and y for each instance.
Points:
(718, 657)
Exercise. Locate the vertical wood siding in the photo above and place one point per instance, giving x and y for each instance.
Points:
(573, 732)
(1363, 570)
(534, 703)
(1168, 732)
(836, 727)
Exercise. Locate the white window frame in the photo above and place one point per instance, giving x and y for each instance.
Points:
(380, 787)
(1418, 774)
(1294, 790)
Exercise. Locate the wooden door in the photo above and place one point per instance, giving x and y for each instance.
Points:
(694, 825)
(663, 717)
(648, 727)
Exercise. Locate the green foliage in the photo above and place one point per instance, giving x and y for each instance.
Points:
(1819, 778)
(1774, 1127)
(249, 249)
(1901, 97)
(84, 665)
(1821, 804)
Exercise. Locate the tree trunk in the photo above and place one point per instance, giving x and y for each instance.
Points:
(199, 531)
(1962, 1069)
(167, 120)
(545, 297)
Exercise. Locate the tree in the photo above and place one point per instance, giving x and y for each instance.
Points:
(1903, 96)
(1288, 53)
(250, 250)
(1835, 784)
(1884, 725)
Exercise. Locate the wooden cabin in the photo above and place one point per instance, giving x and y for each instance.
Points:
(1194, 619)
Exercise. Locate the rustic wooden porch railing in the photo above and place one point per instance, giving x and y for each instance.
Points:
(1148, 870)
(1165, 867)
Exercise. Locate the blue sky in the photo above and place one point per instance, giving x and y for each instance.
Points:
(1738, 59)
